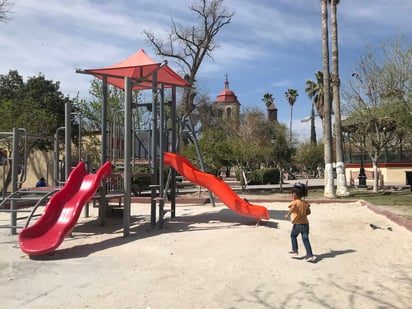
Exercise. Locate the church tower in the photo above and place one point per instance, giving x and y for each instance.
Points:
(227, 104)
(272, 112)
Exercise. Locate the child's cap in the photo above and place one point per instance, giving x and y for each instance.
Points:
(299, 185)
(300, 189)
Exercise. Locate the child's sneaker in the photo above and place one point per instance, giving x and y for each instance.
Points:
(294, 252)
(310, 258)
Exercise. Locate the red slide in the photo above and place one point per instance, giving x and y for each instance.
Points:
(215, 185)
(62, 211)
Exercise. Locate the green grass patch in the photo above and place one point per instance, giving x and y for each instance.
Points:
(386, 198)
(399, 202)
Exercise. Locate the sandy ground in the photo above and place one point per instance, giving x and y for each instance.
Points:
(210, 257)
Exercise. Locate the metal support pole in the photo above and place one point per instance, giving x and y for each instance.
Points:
(153, 162)
(115, 134)
(80, 134)
(104, 121)
(102, 190)
(56, 156)
(161, 159)
(80, 137)
(68, 141)
(173, 149)
(14, 176)
(127, 154)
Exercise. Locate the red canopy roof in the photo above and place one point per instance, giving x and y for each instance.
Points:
(139, 67)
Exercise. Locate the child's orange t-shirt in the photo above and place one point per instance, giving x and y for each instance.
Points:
(301, 212)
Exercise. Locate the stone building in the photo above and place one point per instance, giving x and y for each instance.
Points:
(227, 104)
(272, 112)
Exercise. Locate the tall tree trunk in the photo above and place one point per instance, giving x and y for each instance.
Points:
(312, 126)
(290, 125)
(327, 109)
(341, 189)
(375, 164)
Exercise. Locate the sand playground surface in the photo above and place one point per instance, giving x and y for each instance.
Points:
(210, 257)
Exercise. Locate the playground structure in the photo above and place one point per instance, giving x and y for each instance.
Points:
(138, 72)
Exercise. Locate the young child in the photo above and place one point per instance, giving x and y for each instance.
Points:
(299, 210)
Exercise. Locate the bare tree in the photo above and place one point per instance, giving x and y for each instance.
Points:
(4, 10)
(189, 45)
(378, 120)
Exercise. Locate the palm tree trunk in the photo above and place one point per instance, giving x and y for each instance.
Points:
(327, 134)
(290, 126)
(312, 126)
(341, 189)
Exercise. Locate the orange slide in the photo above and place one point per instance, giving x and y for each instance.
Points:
(62, 211)
(215, 185)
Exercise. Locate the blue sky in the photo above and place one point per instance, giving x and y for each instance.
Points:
(269, 46)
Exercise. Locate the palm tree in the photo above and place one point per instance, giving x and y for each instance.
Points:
(341, 189)
(291, 96)
(327, 110)
(314, 90)
(268, 99)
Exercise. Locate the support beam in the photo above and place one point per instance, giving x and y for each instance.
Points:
(127, 154)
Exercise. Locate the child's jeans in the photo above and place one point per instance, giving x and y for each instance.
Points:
(304, 230)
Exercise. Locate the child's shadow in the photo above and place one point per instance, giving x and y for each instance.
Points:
(328, 255)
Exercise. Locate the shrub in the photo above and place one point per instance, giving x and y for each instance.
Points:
(263, 176)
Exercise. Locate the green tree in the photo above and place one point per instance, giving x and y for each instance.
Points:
(254, 143)
(282, 150)
(218, 148)
(309, 156)
(315, 92)
(262, 142)
(37, 105)
(291, 96)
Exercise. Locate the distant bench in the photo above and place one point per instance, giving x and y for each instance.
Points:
(354, 176)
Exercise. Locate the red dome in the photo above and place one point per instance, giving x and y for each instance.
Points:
(226, 95)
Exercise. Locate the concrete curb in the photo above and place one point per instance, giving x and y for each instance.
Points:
(390, 215)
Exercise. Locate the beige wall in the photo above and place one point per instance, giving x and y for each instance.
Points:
(395, 174)
(37, 163)
(391, 175)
